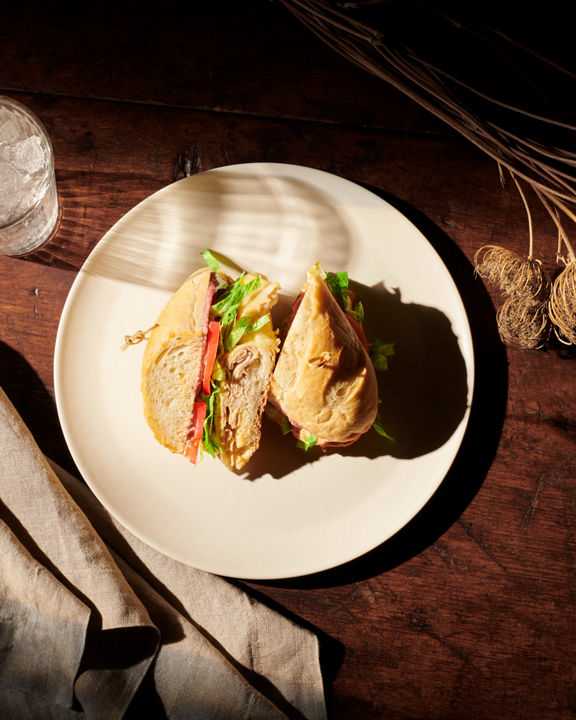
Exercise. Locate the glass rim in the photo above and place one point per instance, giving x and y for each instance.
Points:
(16, 105)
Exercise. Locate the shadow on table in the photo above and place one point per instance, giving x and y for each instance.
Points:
(35, 405)
(480, 441)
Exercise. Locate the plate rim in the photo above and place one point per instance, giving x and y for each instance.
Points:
(465, 344)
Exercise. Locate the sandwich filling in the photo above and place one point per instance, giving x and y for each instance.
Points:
(207, 360)
(239, 351)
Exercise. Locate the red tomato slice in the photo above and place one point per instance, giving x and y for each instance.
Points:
(211, 351)
(197, 432)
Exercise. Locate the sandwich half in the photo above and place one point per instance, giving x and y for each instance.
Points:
(324, 387)
(208, 363)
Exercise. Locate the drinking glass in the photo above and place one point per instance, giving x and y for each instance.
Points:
(28, 195)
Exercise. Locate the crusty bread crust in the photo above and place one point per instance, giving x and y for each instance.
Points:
(173, 361)
(173, 364)
(324, 381)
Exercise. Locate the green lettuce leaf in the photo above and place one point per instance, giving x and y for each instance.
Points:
(379, 427)
(244, 327)
(211, 261)
(309, 442)
(208, 440)
(217, 371)
(227, 305)
(338, 283)
(379, 354)
(357, 312)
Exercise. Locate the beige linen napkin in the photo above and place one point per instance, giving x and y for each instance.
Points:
(96, 624)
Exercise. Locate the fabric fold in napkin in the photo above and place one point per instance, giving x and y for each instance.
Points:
(96, 624)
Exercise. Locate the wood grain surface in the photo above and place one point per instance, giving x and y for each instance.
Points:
(469, 611)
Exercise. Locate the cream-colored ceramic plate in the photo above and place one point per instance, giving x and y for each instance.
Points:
(290, 513)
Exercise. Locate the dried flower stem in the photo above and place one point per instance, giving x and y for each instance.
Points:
(554, 214)
(528, 214)
(488, 122)
(516, 138)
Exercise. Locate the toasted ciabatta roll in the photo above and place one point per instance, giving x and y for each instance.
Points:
(207, 366)
(324, 381)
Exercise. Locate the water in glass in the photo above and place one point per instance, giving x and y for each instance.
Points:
(28, 195)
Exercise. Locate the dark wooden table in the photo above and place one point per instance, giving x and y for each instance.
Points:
(469, 611)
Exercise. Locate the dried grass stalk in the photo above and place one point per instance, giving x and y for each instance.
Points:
(525, 137)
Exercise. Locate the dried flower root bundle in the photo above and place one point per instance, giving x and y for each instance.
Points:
(523, 321)
(534, 305)
(562, 304)
(524, 318)
(509, 272)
